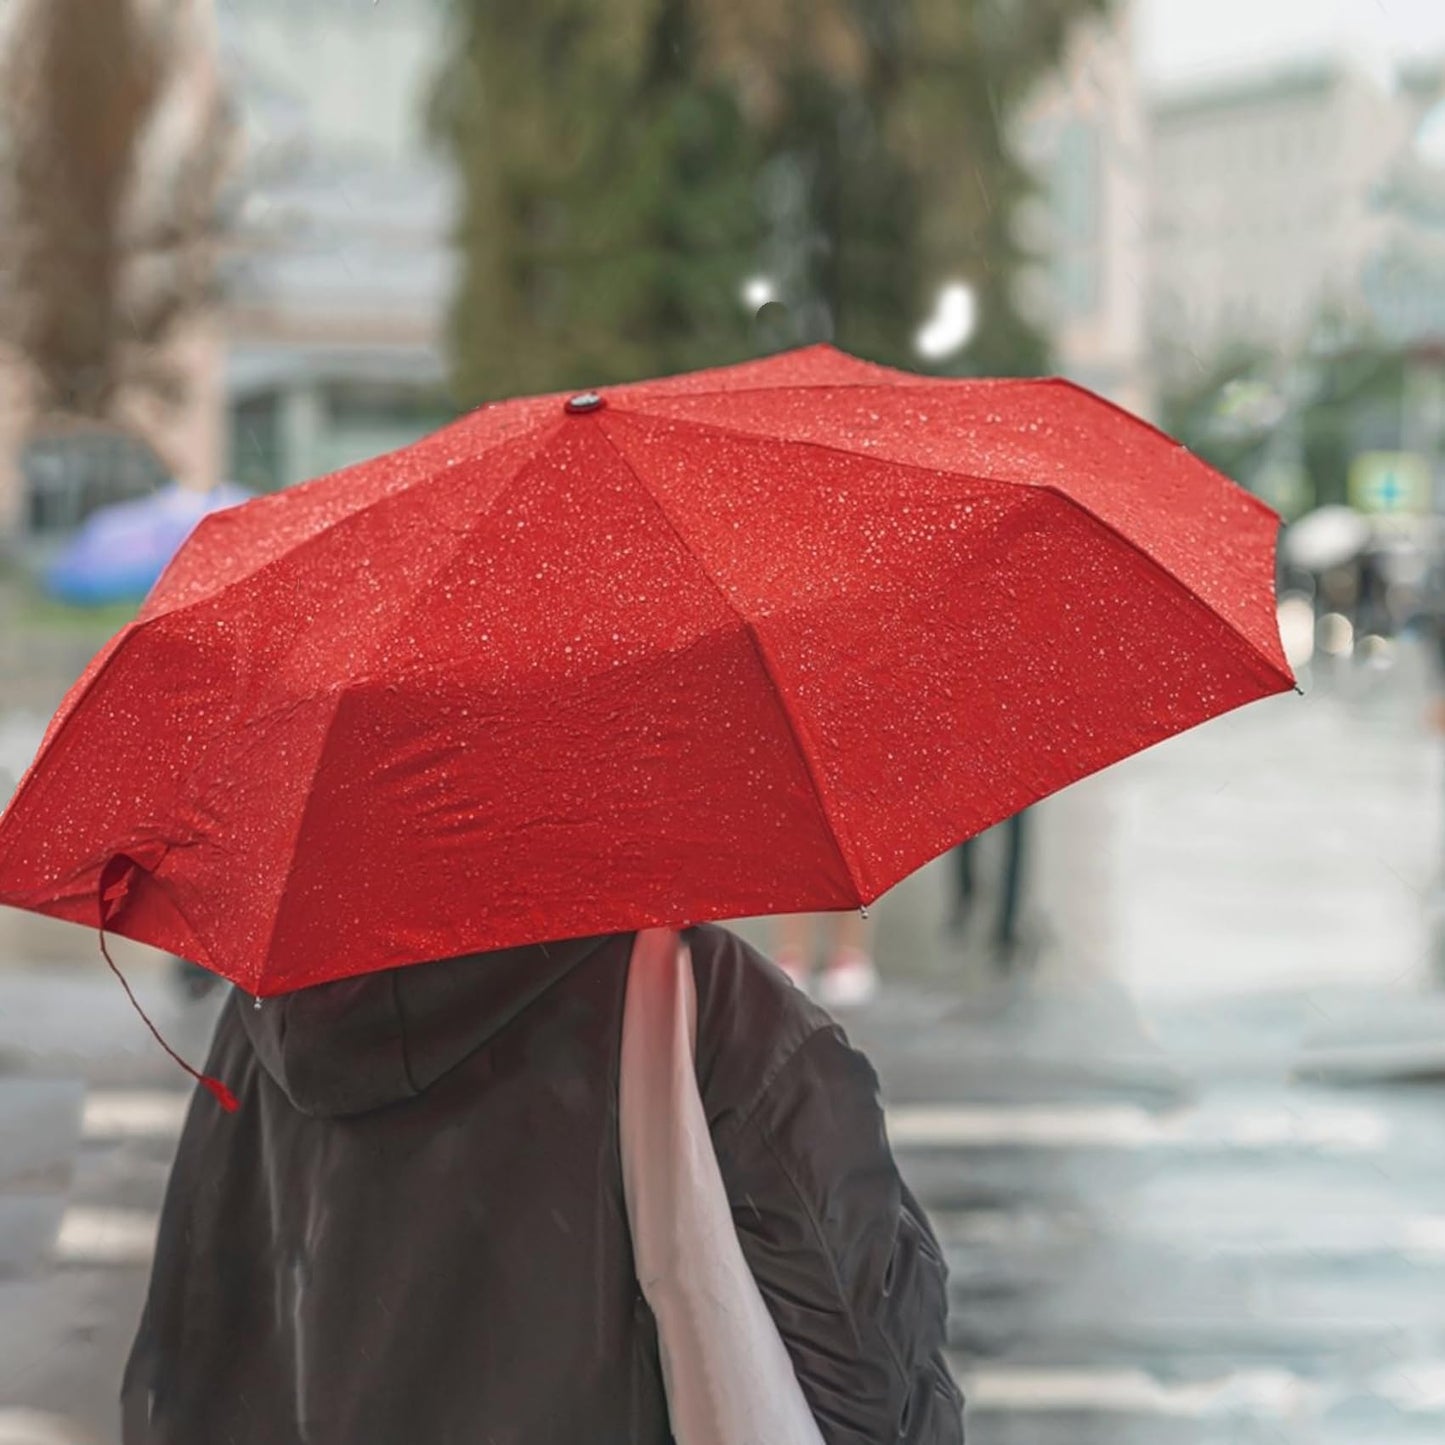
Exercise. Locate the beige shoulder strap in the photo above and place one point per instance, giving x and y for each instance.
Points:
(728, 1377)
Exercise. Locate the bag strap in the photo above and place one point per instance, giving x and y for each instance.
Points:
(726, 1371)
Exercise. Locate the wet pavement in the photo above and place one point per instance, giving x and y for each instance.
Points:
(1186, 1198)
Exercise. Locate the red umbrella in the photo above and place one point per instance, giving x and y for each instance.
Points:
(747, 641)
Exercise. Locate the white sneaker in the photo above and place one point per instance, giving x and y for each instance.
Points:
(850, 981)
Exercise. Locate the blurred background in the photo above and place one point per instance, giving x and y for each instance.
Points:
(1165, 1060)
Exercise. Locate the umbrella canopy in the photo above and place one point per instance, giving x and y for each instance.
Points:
(754, 640)
(119, 551)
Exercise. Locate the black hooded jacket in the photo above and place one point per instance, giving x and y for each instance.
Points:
(413, 1232)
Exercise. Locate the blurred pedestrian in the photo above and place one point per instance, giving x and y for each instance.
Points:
(1004, 939)
(414, 1229)
(1431, 625)
(1339, 591)
(1372, 607)
(849, 977)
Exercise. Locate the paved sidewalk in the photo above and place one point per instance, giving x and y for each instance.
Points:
(1158, 1234)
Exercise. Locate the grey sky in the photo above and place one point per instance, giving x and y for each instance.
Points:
(1181, 38)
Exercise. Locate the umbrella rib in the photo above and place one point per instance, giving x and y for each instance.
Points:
(338, 696)
(853, 452)
(891, 387)
(361, 511)
(133, 628)
(1190, 594)
(796, 730)
(1123, 411)
(1174, 579)
(913, 383)
(462, 537)
(11, 809)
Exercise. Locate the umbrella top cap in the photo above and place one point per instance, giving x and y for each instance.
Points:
(584, 401)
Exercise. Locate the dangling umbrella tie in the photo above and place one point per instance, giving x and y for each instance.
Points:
(110, 901)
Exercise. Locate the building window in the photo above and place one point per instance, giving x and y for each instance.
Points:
(256, 461)
(74, 470)
(365, 420)
(1076, 184)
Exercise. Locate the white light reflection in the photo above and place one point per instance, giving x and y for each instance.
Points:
(1378, 652)
(951, 327)
(1297, 628)
(757, 291)
(1337, 634)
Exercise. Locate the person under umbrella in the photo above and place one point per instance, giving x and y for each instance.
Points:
(591, 670)
(414, 1229)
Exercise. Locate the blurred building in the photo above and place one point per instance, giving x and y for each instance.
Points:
(335, 262)
(1404, 275)
(53, 470)
(1083, 135)
(338, 269)
(1266, 195)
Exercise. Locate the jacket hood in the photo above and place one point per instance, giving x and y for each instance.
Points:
(362, 1043)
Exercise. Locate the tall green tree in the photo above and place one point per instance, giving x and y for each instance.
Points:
(1235, 409)
(967, 68)
(627, 164)
(607, 213)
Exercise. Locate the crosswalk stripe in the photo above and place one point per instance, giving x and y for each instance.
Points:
(1004, 1232)
(1351, 1130)
(1256, 1394)
(160, 1113)
(97, 1236)
(134, 1114)
(34, 1427)
(119, 1237)
(1416, 1389)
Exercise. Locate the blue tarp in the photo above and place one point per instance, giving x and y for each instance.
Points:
(117, 554)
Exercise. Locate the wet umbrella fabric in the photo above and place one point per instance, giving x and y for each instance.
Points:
(807, 620)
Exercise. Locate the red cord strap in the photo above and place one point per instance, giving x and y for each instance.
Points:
(111, 900)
